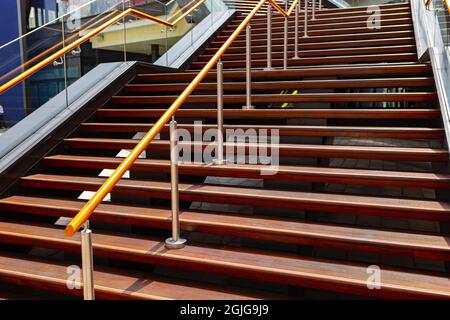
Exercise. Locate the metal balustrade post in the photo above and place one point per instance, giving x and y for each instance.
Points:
(269, 36)
(248, 68)
(220, 159)
(87, 261)
(175, 242)
(306, 19)
(313, 10)
(297, 13)
(320, 5)
(285, 44)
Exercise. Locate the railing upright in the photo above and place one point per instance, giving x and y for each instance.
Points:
(313, 15)
(175, 242)
(248, 68)
(297, 13)
(220, 159)
(87, 261)
(305, 14)
(269, 36)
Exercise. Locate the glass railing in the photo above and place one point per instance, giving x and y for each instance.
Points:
(133, 37)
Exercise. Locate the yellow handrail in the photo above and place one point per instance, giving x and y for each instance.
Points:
(85, 212)
(447, 2)
(89, 35)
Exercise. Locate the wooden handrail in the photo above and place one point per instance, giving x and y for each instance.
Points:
(87, 210)
(24, 75)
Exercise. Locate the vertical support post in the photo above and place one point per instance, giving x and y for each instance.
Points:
(285, 46)
(269, 36)
(320, 5)
(87, 261)
(248, 69)
(175, 242)
(220, 136)
(313, 10)
(297, 12)
(306, 19)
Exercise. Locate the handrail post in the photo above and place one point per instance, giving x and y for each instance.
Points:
(285, 46)
(306, 19)
(297, 13)
(248, 68)
(313, 10)
(320, 5)
(269, 36)
(175, 242)
(220, 159)
(87, 261)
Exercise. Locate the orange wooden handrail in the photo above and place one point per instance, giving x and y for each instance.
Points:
(87, 210)
(24, 75)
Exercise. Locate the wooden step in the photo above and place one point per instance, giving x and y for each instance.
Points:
(285, 85)
(278, 114)
(284, 130)
(341, 21)
(427, 246)
(323, 202)
(323, 71)
(282, 98)
(262, 63)
(279, 54)
(109, 283)
(323, 45)
(320, 36)
(291, 173)
(284, 150)
(257, 265)
(322, 25)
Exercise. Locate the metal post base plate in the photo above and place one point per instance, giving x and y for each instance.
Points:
(248, 107)
(172, 244)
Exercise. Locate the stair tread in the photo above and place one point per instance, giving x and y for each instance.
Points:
(307, 71)
(289, 170)
(294, 231)
(260, 196)
(299, 97)
(277, 113)
(113, 283)
(289, 269)
(284, 130)
(293, 150)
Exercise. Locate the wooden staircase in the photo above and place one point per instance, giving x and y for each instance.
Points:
(362, 178)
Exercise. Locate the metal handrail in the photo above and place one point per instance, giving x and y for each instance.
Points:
(87, 210)
(24, 75)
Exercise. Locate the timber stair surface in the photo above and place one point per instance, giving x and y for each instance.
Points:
(361, 177)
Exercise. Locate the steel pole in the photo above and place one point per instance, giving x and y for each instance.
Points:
(220, 136)
(87, 261)
(175, 242)
(269, 36)
(248, 68)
